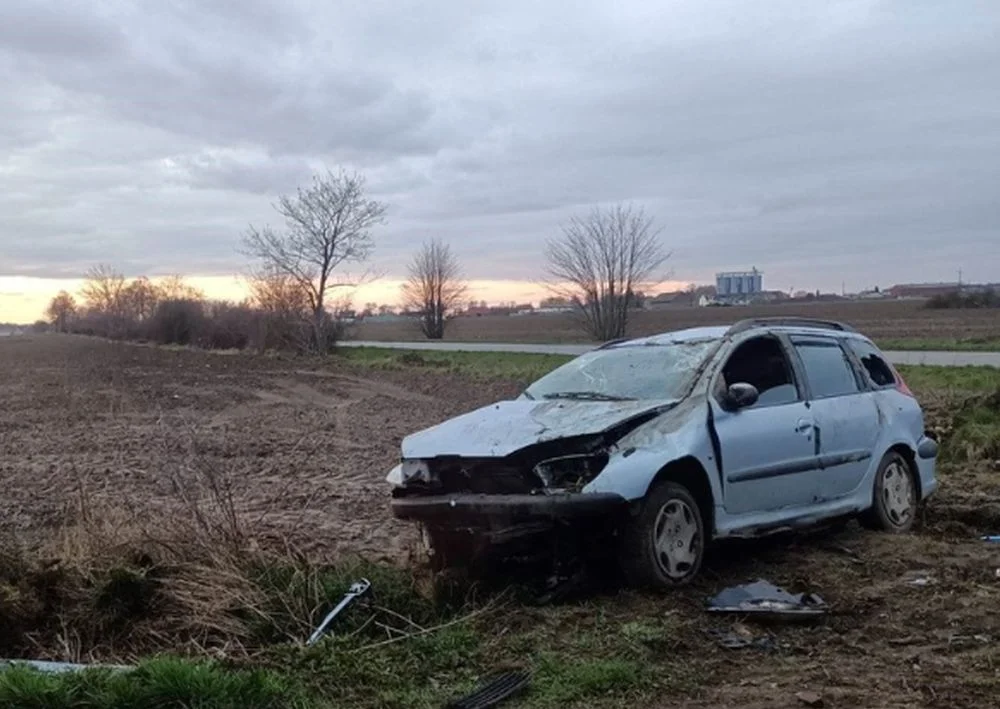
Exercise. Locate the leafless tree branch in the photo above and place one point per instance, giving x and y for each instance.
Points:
(327, 225)
(435, 287)
(599, 263)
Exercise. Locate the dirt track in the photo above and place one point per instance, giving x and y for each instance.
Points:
(303, 447)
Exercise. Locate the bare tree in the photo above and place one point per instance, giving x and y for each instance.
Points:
(102, 290)
(435, 287)
(61, 310)
(139, 299)
(600, 261)
(327, 225)
(279, 293)
(286, 315)
(174, 288)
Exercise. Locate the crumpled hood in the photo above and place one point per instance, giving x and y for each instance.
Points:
(500, 429)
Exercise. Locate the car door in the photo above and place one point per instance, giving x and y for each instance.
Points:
(845, 415)
(764, 449)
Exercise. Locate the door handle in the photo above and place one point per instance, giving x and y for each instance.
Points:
(803, 425)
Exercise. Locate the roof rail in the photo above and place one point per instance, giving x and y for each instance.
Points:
(751, 323)
(612, 343)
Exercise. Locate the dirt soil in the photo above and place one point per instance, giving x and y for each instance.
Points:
(301, 446)
(304, 447)
(881, 320)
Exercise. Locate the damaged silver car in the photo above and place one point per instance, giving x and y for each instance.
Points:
(652, 447)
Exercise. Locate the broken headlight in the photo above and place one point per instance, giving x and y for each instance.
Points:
(410, 471)
(570, 472)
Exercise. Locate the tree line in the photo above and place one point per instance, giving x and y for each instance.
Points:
(301, 278)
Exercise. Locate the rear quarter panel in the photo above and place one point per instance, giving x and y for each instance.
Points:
(900, 423)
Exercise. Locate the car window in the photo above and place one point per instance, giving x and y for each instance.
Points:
(878, 369)
(626, 372)
(762, 362)
(827, 368)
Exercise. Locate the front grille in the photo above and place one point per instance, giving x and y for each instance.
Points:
(485, 477)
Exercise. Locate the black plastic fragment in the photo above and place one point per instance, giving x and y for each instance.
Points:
(763, 599)
(493, 692)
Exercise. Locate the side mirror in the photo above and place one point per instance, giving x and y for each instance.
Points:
(741, 395)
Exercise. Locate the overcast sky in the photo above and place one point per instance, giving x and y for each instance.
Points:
(821, 142)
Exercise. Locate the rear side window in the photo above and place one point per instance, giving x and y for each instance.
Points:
(878, 369)
(827, 368)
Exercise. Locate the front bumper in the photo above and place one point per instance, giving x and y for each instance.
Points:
(482, 510)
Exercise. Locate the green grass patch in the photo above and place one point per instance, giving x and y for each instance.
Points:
(942, 344)
(160, 682)
(515, 366)
(924, 378)
(579, 655)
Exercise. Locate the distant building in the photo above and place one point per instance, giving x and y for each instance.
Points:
(679, 298)
(738, 285)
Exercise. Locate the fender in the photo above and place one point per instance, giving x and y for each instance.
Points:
(631, 471)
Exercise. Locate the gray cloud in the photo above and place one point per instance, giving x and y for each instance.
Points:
(853, 141)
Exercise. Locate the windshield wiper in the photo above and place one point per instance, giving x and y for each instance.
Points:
(586, 396)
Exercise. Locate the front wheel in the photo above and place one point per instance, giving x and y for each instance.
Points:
(665, 542)
(894, 502)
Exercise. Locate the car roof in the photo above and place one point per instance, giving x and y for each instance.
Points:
(717, 332)
(691, 334)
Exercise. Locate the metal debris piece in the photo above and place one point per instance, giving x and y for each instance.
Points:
(919, 578)
(955, 639)
(356, 591)
(558, 587)
(58, 667)
(764, 599)
(740, 637)
(493, 692)
(810, 699)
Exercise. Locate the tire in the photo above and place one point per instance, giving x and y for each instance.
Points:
(894, 499)
(648, 536)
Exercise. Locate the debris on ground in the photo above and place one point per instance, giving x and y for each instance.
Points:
(764, 599)
(846, 551)
(58, 667)
(356, 591)
(493, 692)
(919, 578)
(810, 699)
(740, 636)
(978, 638)
(991, 538)
(559, 587)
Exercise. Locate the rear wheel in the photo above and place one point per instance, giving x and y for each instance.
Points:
(894, 502)
(665, 542)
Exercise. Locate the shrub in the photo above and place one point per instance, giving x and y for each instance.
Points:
(229, 327)
(177, 322)
(957, 299)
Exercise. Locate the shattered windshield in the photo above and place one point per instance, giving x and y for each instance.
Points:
(625, 372)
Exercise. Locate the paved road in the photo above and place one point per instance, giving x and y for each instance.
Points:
(946, 359)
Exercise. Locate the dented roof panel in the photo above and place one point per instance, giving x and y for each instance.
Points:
(691, 334)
